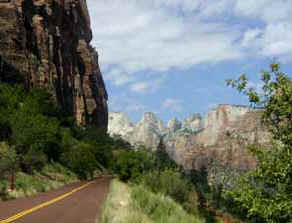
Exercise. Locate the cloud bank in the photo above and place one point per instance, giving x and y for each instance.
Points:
(140, 41)
(138, 35)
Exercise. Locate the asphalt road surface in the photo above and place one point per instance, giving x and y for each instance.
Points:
(82, 206)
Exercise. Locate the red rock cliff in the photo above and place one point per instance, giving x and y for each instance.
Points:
(46, 43)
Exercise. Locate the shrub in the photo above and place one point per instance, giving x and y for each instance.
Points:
(81, 159)
(159, 207)
(34, 159)
(132, 204)
(9, 160)
(172, 183)
(59, 173)
(132, 164)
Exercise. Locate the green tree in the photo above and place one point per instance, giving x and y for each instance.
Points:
(266, 192)
(163, 160)
(28, 120)
(33, 159)
(9, 160)
(131, 165)
(81, 159)
(9, 163)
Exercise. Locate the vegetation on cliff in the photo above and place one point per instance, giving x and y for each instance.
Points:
(35, 133)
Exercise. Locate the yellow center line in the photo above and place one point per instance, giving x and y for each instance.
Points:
(26, 212)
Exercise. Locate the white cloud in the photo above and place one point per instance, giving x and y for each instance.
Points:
(125, 103)
(266, 10)
(277, 39)
(274, 38)
(172, 104)
(250, 37)
(136, 35)
(142, 86)
(118, 76)
(147, 86)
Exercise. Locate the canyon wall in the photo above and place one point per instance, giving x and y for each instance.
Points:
(223, 135)
(46, 43)
(227, 132)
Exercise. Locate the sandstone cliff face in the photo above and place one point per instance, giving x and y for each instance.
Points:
(223, 135)
(146, 132)
(46, 43)
(227, 132)
(194, 122)
(120, 125)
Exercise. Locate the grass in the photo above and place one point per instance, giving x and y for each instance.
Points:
(136, 204)
(51, 177)
(117, 207)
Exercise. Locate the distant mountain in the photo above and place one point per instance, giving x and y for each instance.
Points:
(146, 132)
(222, 135)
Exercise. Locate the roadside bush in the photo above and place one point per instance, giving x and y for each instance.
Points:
(172, 183)
(56, 171)
(168, 182)
(132, 165)
(30, 184)
(159, 207)
(4, 184)
(33, 129)
(33, 160)
(9, 160)
(136, 204)
(81, 159)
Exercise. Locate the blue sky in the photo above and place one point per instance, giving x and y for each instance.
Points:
(172, 57)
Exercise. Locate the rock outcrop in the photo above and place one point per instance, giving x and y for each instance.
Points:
(174, 125)
(120, 125)
(46, 43)
(147, 132)
(223, 135)
(194, 122)
(227, 132)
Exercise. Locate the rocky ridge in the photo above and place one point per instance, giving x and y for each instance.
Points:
(222, 136)
(46, 43)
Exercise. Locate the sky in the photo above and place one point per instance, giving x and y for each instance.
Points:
(172, 57)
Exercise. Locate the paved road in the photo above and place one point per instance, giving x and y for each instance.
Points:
(81, 207)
